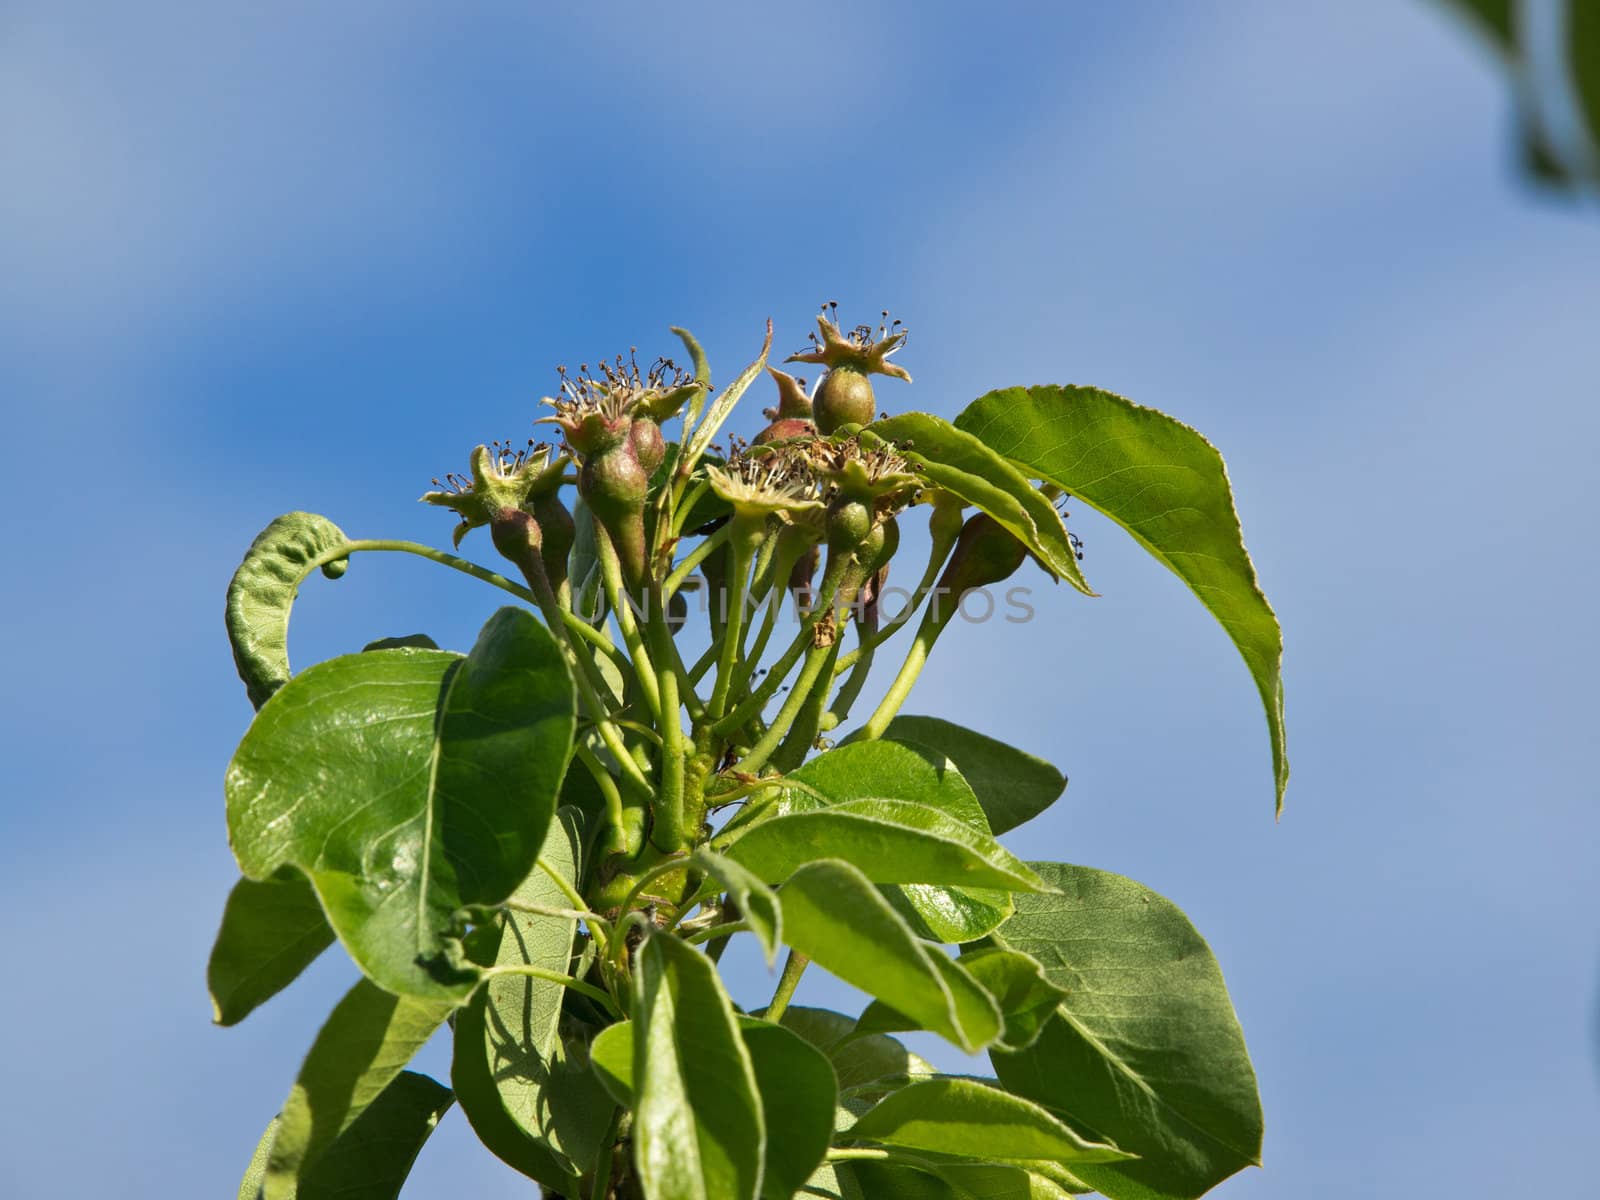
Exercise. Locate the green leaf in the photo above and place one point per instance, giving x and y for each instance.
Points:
(796, 1082)
(758, 904)
(858, 1062)
(410, 641)
(1011, 786)
(940, 1176)
(611, 1059)
(1017, 983)
(359, 1052)
(1583, 61)
(546, 1093)
(950, 1115)
(1026, 996)
(963, 465)
(698, 1132)
(890, 841)
(891, 1181)
(256, 1173)
(905, 771)
(1145, 1049)
(1164, 484)
(372, 1158)
(272, 929)
(833, 914)
(408, 784)
(798, 1095)
(997, 1181)
(478, 1093)
(262, 592)
(889, 767)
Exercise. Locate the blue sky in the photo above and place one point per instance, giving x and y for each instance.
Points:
(261, 258)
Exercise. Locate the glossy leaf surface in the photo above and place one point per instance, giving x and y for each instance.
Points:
(272, 929)
(962, 1116)
(905, 771)
(890, 841)
(262, 592)
(834, 915)
(406, 784)
(958, 462)
(796, 1082)
(1011, 786)
(1168, 1077)
(1163, 483)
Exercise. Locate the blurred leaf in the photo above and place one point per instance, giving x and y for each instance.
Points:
(272, 929)
(1163, 483)
(1167, 1078)
(833, 914)
(408, 784)
(262, 592)
(1583, 60)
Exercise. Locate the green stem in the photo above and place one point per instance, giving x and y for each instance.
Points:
(585, 675)
(714, 932)
(850, 690)
(751, 707)
(669, 806)
(857, 1154)
(609, 792)
(622, 607)
(779, 569)
(793, 967)
(933, 624)
(802, 734)
(937, 554)
(665, 867)
(694, 558)
(602, 998)
(574, 897)
(681, 513)
(816, 663)
(733, 631)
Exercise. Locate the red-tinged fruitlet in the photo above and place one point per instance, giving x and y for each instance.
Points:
(614, 486)
(845, 396)
(792, 417)
(649, 447)
(559, 533)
